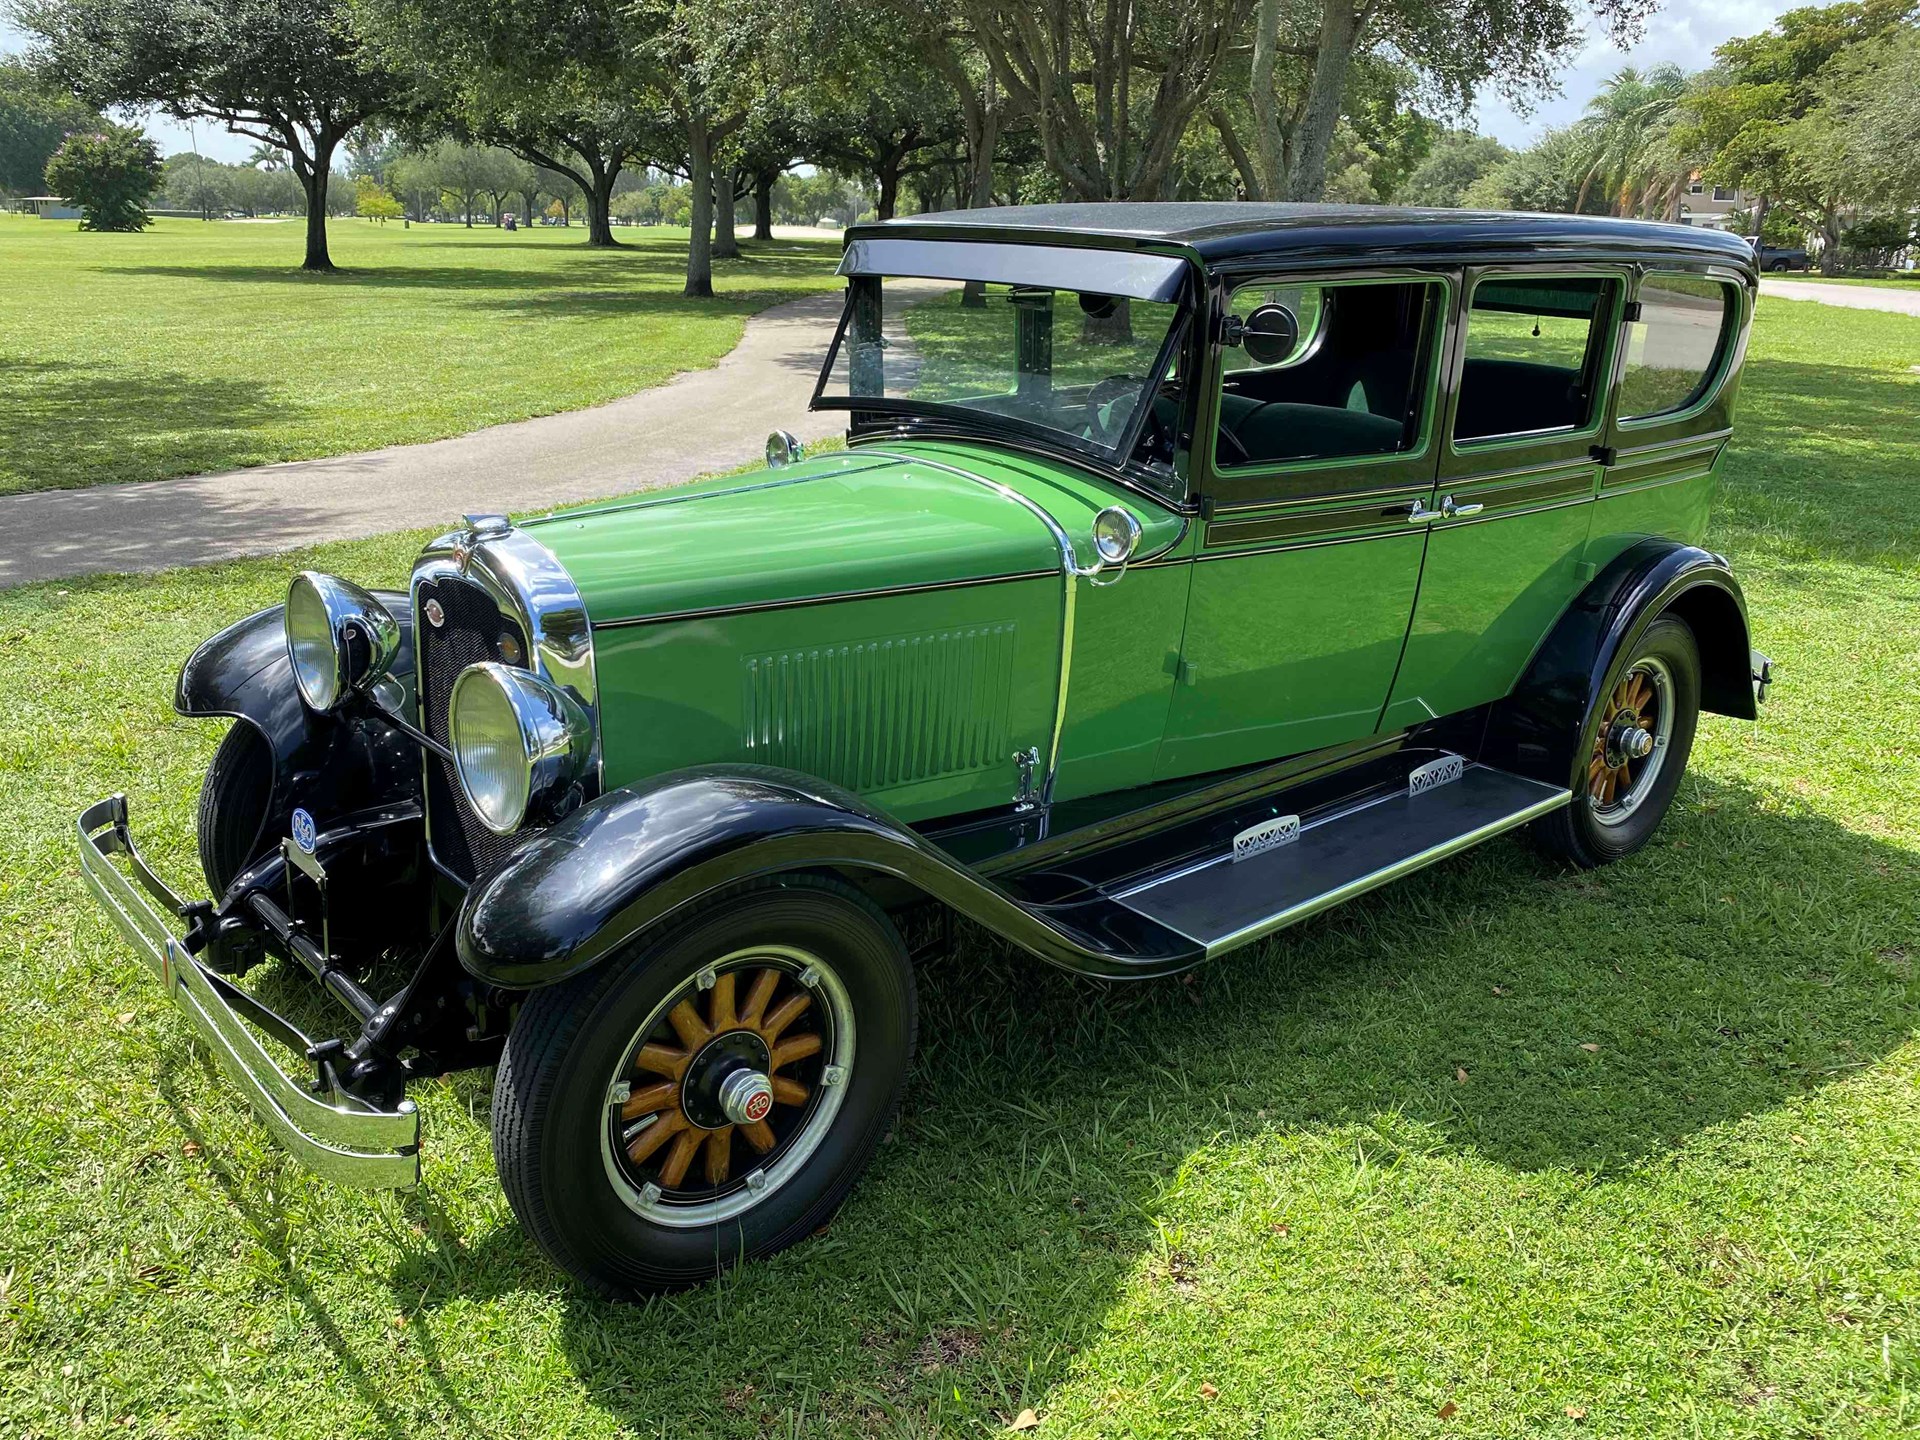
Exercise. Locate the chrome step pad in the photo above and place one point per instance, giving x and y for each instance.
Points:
(1224, 902)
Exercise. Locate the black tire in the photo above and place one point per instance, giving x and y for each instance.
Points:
(1585, 832)
(552, 1113)
(1779, 267)
(234, 800)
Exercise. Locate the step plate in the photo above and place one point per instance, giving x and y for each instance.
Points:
(1223, 903)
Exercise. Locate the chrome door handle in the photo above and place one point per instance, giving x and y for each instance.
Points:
(1420, 515)
(1451, 511)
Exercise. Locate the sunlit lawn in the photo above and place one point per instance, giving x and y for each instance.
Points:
(1501, 1151)
(193, 347)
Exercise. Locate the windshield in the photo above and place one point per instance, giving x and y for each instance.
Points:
(1071, 366)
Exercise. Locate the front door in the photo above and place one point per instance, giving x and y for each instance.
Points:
(1322, 421)
(1530, 376)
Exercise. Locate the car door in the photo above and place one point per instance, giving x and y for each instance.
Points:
(1528, 391)
(1321, 453)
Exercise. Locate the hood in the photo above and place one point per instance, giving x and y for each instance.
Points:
(841, 524)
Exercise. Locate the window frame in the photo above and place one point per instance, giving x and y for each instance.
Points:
(1733, 326)
(1265, 484)
(1607, 323)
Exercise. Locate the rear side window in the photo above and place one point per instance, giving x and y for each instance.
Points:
(1327, 372)
(1674, 348)
(1533, 353)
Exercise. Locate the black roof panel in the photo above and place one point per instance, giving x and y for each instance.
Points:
(1222, 229)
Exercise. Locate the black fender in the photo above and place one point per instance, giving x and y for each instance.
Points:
(630, 859)
(333, 765)
(1539, 729)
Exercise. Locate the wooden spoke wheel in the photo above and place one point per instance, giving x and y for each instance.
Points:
(728, 1086)
(1631, 744)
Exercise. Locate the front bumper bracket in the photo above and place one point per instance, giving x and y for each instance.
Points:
(336, 1135)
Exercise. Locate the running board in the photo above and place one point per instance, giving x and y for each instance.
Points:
(1282, 871)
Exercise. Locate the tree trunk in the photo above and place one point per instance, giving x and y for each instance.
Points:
(700, 181)
(763, 204)
(1760, 217)
(1268, 142)
(1236, 152)
(888, 176)
(1338, 29)
(313, 180)
(600, 202)
(726, 240)
(1830, 242)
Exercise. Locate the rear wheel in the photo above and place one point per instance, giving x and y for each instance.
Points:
(710, 1094)
(1627, 776)
(234, 799)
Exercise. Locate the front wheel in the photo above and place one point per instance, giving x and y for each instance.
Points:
(710, 1094)
(1626, 777)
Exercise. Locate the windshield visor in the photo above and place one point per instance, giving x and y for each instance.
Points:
(1080, 368)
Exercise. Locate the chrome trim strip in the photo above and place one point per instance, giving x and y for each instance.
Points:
(337, 1137)
(752, 606)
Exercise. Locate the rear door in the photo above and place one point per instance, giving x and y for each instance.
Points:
(1322, 455)
(1528, 393)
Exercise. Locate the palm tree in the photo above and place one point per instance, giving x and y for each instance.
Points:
(1623, 140)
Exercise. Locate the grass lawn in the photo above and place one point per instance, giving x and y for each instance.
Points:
(1893, 279)
(1502, 1150)
(195, 347)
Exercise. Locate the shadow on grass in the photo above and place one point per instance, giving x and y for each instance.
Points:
(1723, 971)
(116, 422)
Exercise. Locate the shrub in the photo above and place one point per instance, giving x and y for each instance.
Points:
(110, 174)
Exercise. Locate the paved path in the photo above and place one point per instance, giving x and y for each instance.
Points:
(1853, 297)
(702, 421)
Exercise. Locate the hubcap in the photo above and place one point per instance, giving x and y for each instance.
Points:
(728, 1087)
(1629, 747)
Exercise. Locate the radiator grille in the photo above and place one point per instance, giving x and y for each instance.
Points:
(882, 713)
(472, 629)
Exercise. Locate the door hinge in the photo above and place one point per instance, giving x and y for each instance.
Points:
(1631, 312)
(1602, 454)
(1027, 765)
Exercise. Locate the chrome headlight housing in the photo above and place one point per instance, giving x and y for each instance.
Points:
(520, 743)
(339, 638)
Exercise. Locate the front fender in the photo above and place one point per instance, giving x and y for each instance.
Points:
(1539, 728)
(634, 857)
(332, 765)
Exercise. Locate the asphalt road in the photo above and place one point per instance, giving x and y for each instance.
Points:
(1853, 297)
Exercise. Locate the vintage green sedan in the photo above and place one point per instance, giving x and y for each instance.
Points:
(1189, 570)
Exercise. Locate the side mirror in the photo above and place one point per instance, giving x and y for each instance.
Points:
(1270, 335)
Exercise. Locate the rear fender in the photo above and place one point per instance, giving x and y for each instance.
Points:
(1540, 728)
(332, 765)
(631, 859)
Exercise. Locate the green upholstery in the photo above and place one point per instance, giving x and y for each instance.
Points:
(1283, 430)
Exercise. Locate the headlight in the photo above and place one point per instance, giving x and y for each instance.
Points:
(339, 638)
(519, 742)
(1115, 535)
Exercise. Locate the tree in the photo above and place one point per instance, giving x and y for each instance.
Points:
(34, 118)
(193, 182)
(110, 174)
(1546, 178)
(1870, 99)
(373, 201)
(1457, 160)
(1627, 138)
(292, 74)
(1454, 49)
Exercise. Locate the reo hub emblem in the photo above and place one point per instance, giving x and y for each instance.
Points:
(757, 1106)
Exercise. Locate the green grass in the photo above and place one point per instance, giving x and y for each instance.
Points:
(1260, 1203)
(1883, 278)
(194, 347)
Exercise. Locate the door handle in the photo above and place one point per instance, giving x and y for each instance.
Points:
(1420, 515)
(1451, 511)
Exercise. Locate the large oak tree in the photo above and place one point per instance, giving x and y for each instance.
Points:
(293, 74)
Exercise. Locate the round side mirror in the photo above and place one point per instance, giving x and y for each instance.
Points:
(1271, 335)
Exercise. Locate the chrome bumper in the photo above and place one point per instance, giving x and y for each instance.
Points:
(336, 1136)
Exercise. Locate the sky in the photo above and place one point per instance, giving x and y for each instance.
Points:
(1684, 31)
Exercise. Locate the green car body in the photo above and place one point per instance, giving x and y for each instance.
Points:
(1315, 546)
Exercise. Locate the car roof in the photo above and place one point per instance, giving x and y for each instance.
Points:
(1218, 230)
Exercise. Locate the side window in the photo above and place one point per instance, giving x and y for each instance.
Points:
(1326, 372)
(1533, 351)
(1674, 348)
